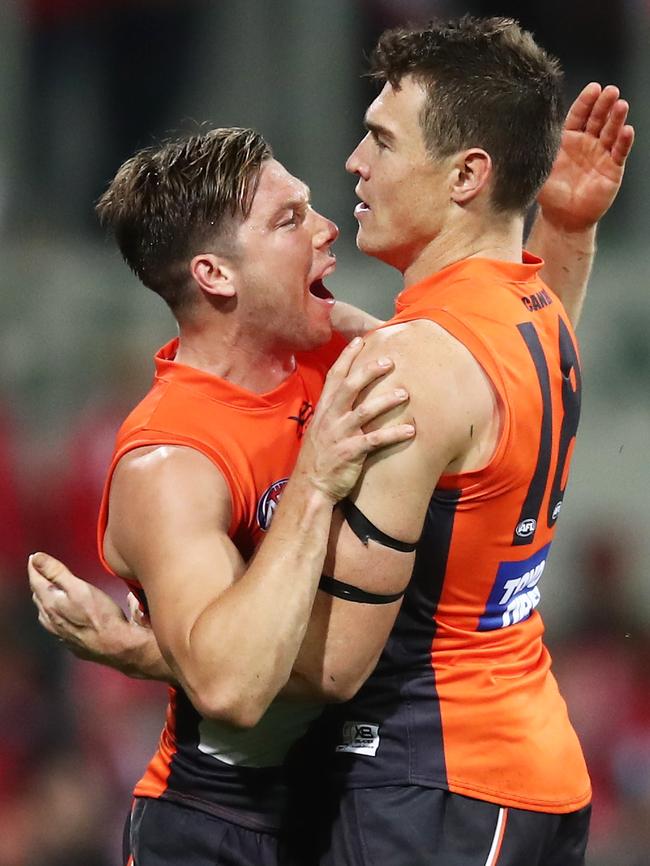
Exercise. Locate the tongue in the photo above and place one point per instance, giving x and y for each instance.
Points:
(318, 289)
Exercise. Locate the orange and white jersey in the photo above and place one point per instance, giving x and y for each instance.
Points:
(253, 439)
(463, 697)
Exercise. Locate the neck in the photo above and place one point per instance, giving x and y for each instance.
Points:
(502, 241)
(227, 351)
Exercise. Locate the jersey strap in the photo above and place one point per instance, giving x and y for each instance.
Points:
(365, 530)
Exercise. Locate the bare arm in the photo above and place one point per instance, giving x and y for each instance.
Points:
(344, 639)
(169, 514)
(583, 184)
(351, 321)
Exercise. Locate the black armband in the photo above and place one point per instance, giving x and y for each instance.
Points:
(365, 530)
(346, 591)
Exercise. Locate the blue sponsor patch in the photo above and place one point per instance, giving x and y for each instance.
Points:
(269, 502)
(515, 593)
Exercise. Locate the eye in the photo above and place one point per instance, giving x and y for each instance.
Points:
(295, 218)
(381, 145)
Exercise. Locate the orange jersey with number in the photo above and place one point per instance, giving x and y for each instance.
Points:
(253, 440)
(463, 697)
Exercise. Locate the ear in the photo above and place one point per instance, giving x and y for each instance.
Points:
(214, 275)
(473, 171)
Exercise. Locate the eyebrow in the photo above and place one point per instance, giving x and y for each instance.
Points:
(377, 129)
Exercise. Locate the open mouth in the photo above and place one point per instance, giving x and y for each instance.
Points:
(320, 292)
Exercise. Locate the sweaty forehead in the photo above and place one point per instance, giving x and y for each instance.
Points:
(277, 187)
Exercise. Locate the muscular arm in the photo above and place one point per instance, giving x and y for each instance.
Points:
(230, 633)
(582, 186)
(584, 182)
(344, 639)
(351, 321)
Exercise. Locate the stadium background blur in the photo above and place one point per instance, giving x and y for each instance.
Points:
(82, 84)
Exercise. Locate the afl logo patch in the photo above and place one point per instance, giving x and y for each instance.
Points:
(526, 527)
(269, 502)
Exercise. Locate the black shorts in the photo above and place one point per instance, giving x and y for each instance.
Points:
(162, 833)
(414, 826)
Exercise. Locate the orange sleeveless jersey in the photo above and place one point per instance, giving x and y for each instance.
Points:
(253, 439)
(463, 697)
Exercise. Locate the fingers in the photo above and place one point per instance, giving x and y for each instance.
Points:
(43, 616)
(136, 614)
(601, 112)
(341, 367)
(362, 376)
(613, 123)
(357, 447)
(384, 436)
(59, 596)
(52, 619)
(50, 569)
(133, 605)
(354, 377)
(339, 402)
(579, 113)
(44, 596)
(341, 392)
(37, 582)
(376, 404)
(601, 109)
(617, 136)
(608, 122)
(623, 145)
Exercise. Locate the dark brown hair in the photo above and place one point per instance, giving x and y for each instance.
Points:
(166, 202)
(488, 85)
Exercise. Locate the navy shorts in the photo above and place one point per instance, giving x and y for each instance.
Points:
(163, 833)
(415, 826)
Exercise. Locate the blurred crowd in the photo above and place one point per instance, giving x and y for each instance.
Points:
(102, 78)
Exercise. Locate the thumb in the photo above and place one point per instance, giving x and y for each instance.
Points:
(47, 566)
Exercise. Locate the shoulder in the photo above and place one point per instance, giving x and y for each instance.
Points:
(166, 464)
(451, 398)
(168, 479)
(419, 341)
(429, 361)
(161, 490)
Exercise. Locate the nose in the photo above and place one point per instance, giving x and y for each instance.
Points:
(355, 163)
(326, 231)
